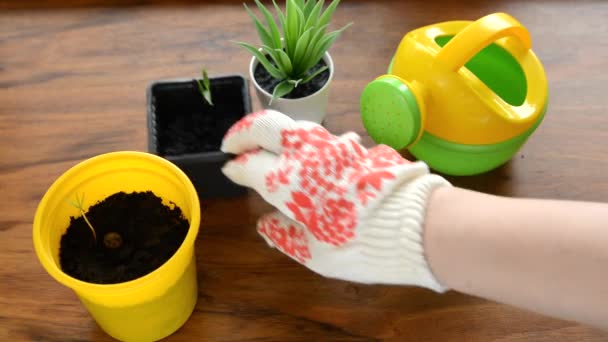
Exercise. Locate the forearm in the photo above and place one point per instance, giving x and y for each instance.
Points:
(547, 256)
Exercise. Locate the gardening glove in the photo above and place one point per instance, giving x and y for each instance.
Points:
(344, 211)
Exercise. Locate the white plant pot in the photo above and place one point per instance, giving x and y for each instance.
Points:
(309, 108)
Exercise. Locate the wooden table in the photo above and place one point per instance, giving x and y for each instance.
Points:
(72, 81)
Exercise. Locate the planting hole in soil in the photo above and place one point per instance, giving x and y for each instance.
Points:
(136, 234)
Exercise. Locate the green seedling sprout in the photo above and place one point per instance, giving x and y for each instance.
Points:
(111, 240)
(204, 86)
(79, 204)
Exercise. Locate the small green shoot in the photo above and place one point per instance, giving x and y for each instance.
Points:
(79, 204)
(204, 86)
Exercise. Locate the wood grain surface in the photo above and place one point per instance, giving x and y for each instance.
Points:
(73, 76)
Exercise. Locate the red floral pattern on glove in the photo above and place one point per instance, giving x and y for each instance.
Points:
(327, 166)
(244, 123)
(291, 240)
(275, 179)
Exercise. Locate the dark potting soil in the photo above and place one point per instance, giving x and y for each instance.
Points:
(136, 234)
(186, 123)
(268, 83)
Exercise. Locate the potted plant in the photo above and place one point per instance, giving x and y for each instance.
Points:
(126, 244)
(292, 70)
(187, 119)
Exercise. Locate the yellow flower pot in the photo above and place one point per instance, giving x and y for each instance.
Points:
(150, 307)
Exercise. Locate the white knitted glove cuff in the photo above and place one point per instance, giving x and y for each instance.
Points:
(392, 240)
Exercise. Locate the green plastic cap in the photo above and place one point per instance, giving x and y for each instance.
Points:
(390, 113)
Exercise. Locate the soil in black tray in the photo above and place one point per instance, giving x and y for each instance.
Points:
(268, 83)
(136, 234)
(186, 123)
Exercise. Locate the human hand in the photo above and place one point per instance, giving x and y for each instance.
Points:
(344, 211)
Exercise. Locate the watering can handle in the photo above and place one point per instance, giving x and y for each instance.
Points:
(479, 34)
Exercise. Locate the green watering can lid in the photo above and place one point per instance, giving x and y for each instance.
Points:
(390, 112)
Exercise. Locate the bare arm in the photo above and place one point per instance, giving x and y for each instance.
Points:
(546, 256)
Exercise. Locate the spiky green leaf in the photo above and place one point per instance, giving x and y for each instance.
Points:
(311, 57)
(272, 70)
(299, 55)
(299, 3)
(329, 12)
(279, 14)
(313, 16)
(264, 35)
(290, 32)
(323, 45)
(316, 34)
(310, 4)
(285, 61)
(314, 74)
(273, 30)
(301, 21)
(281, 90)
(278, 59)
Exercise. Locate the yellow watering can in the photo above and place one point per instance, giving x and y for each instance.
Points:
(462, 96)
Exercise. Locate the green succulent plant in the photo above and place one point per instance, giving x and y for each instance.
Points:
(290, 53)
